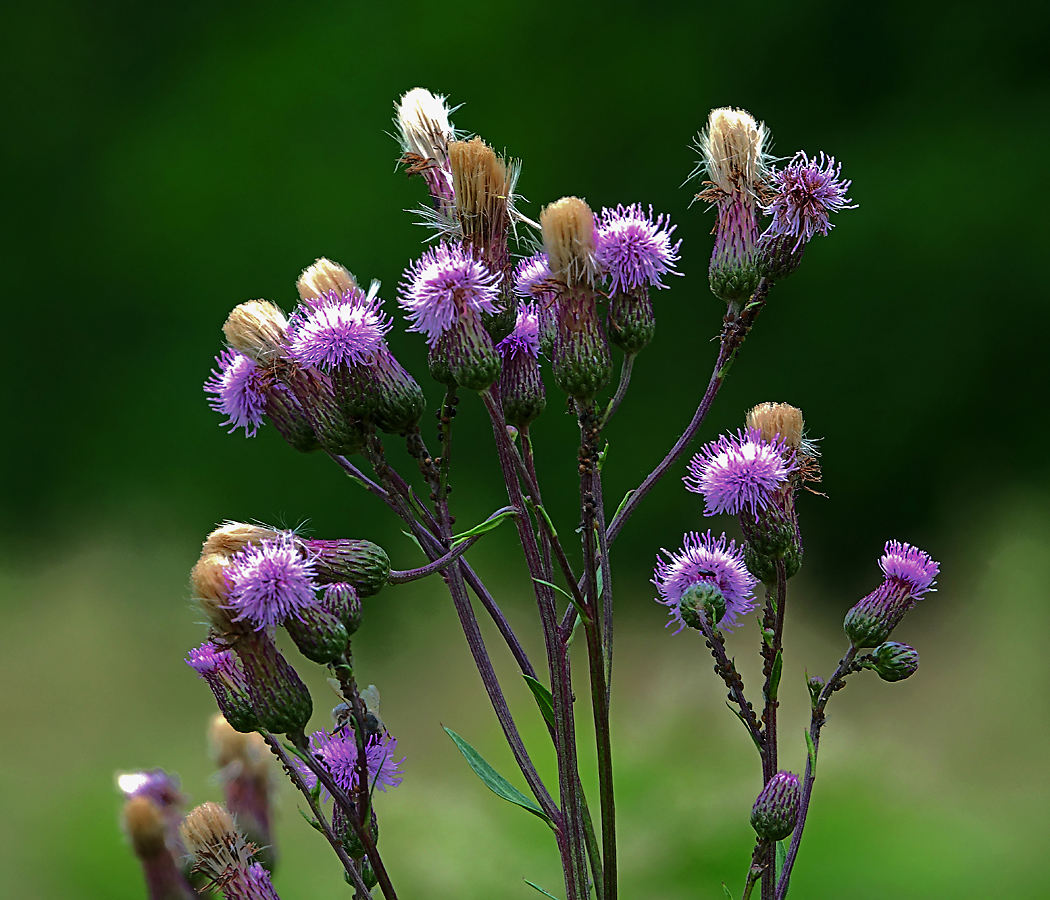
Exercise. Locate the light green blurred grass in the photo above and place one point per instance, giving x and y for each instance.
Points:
(936, 787)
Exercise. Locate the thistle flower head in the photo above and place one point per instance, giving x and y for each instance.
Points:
(533, 279)
(733, 154)
(525, 338)
(634, 249)
(705, 560)
(230, 537)
(776, 810)
(909, 567)
(270, 582)
(323, 277)
(443, 284)
(238, 388)
(223, 854)
(568, 238)
(773, 419)
(257, 329)
(805, 193)
(738, 472)
(423, 125)
(483, 183)
(338, 751)
(338, 330)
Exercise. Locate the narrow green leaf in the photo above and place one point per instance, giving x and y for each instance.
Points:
(546, 518)
(774, 675)
(493, 780)
(538, 888)
(599, 582)
(728, 893)
(623, 502)
(544, 700)
(601, 457)
(313, 823)
(736, 712)
(564, 592)
(812, 755)
(483, 527)
(782, 852)
(413, 539)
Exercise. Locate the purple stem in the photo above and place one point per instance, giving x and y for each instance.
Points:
(774, 617)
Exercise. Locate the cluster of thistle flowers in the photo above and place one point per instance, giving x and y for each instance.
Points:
(180, 858)
(709, 584)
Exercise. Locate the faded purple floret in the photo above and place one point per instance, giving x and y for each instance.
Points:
(739, 472)
(524, 340)
(703, 559)
(634, 249)
(238, 387)
(532, 278)
(270, 581)
(217, 664)
(336, 330)
(805, 193)
(910, 567)
(443, 284)
(338, 750)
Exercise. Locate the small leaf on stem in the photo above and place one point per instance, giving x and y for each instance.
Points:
(544, 700)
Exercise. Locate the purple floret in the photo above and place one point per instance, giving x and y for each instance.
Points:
(703, 559)
(910, 567)
(239, 388)
(338, 750)
(336, 330)
(739, 472)
(805, 193)
(270, 581)
(524, 340)
(634, 249)
(445, 283)
(532, 278)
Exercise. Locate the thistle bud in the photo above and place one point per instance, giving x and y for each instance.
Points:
(361, 564)
(780, 255)
(520, 384)
(734, 159)
(288, 417)
(702, 604)
(581, 360)
(336, 431)
(342, 600)
(324, 277)
(318, 633)
(775, 812)
(278, 695)
(895, 662)
(401, 402)
(245, 773)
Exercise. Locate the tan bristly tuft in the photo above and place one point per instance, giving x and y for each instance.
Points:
(568, 238)
(733, 148)
(422, 120)
(322, 277)
(231, 537)
(248, 751)
(209, 587)
(257, 328)
(782, 419)
(218, 847)
(144, 824)
(482, 184)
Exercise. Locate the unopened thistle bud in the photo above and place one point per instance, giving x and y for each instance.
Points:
(520, 384)
(910, 574)
(702, 604)
(775, 812)
(245, 772)
(342, 600)
(278, 695)
(895, 662)
(363, 565)
(318, 633)
(322, 278)
(145, 826)
(221, 852)
(425, 132)
(734, 160)
(581, 360)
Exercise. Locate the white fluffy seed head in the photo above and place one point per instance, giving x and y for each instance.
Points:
(733, 148)
(423, 125)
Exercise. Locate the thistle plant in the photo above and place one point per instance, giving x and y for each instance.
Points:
(323, 375)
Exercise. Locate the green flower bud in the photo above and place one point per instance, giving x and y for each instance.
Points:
(895, 662)
(775, 812)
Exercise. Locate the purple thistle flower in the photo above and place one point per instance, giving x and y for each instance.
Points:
(703, 559)
(738, 472)
(338, 329)
(524, 340)
(909, 567)
(444, 284)
(338, 751)
(633, 249)
(270, 581)
(805, 192)
(532, 277)
(239, 387)
(217, 666)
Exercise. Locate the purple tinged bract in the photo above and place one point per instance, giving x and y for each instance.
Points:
(338, 751)
(738, 472)
(346, 329)
(270, 581)
(805, 193)
(444, 284)
(524, 340)
(909, 567)
(238, 387)
(705, 559)
(634, 249)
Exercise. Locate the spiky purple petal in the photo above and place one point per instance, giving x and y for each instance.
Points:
(270, 581)
(805, 193)
(910, 567)
(336, 330)
(338, 751)
(738, 472)
(524, 340)
(238, 387)
(634, 249)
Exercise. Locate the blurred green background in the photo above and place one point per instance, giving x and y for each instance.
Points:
(167, 161)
